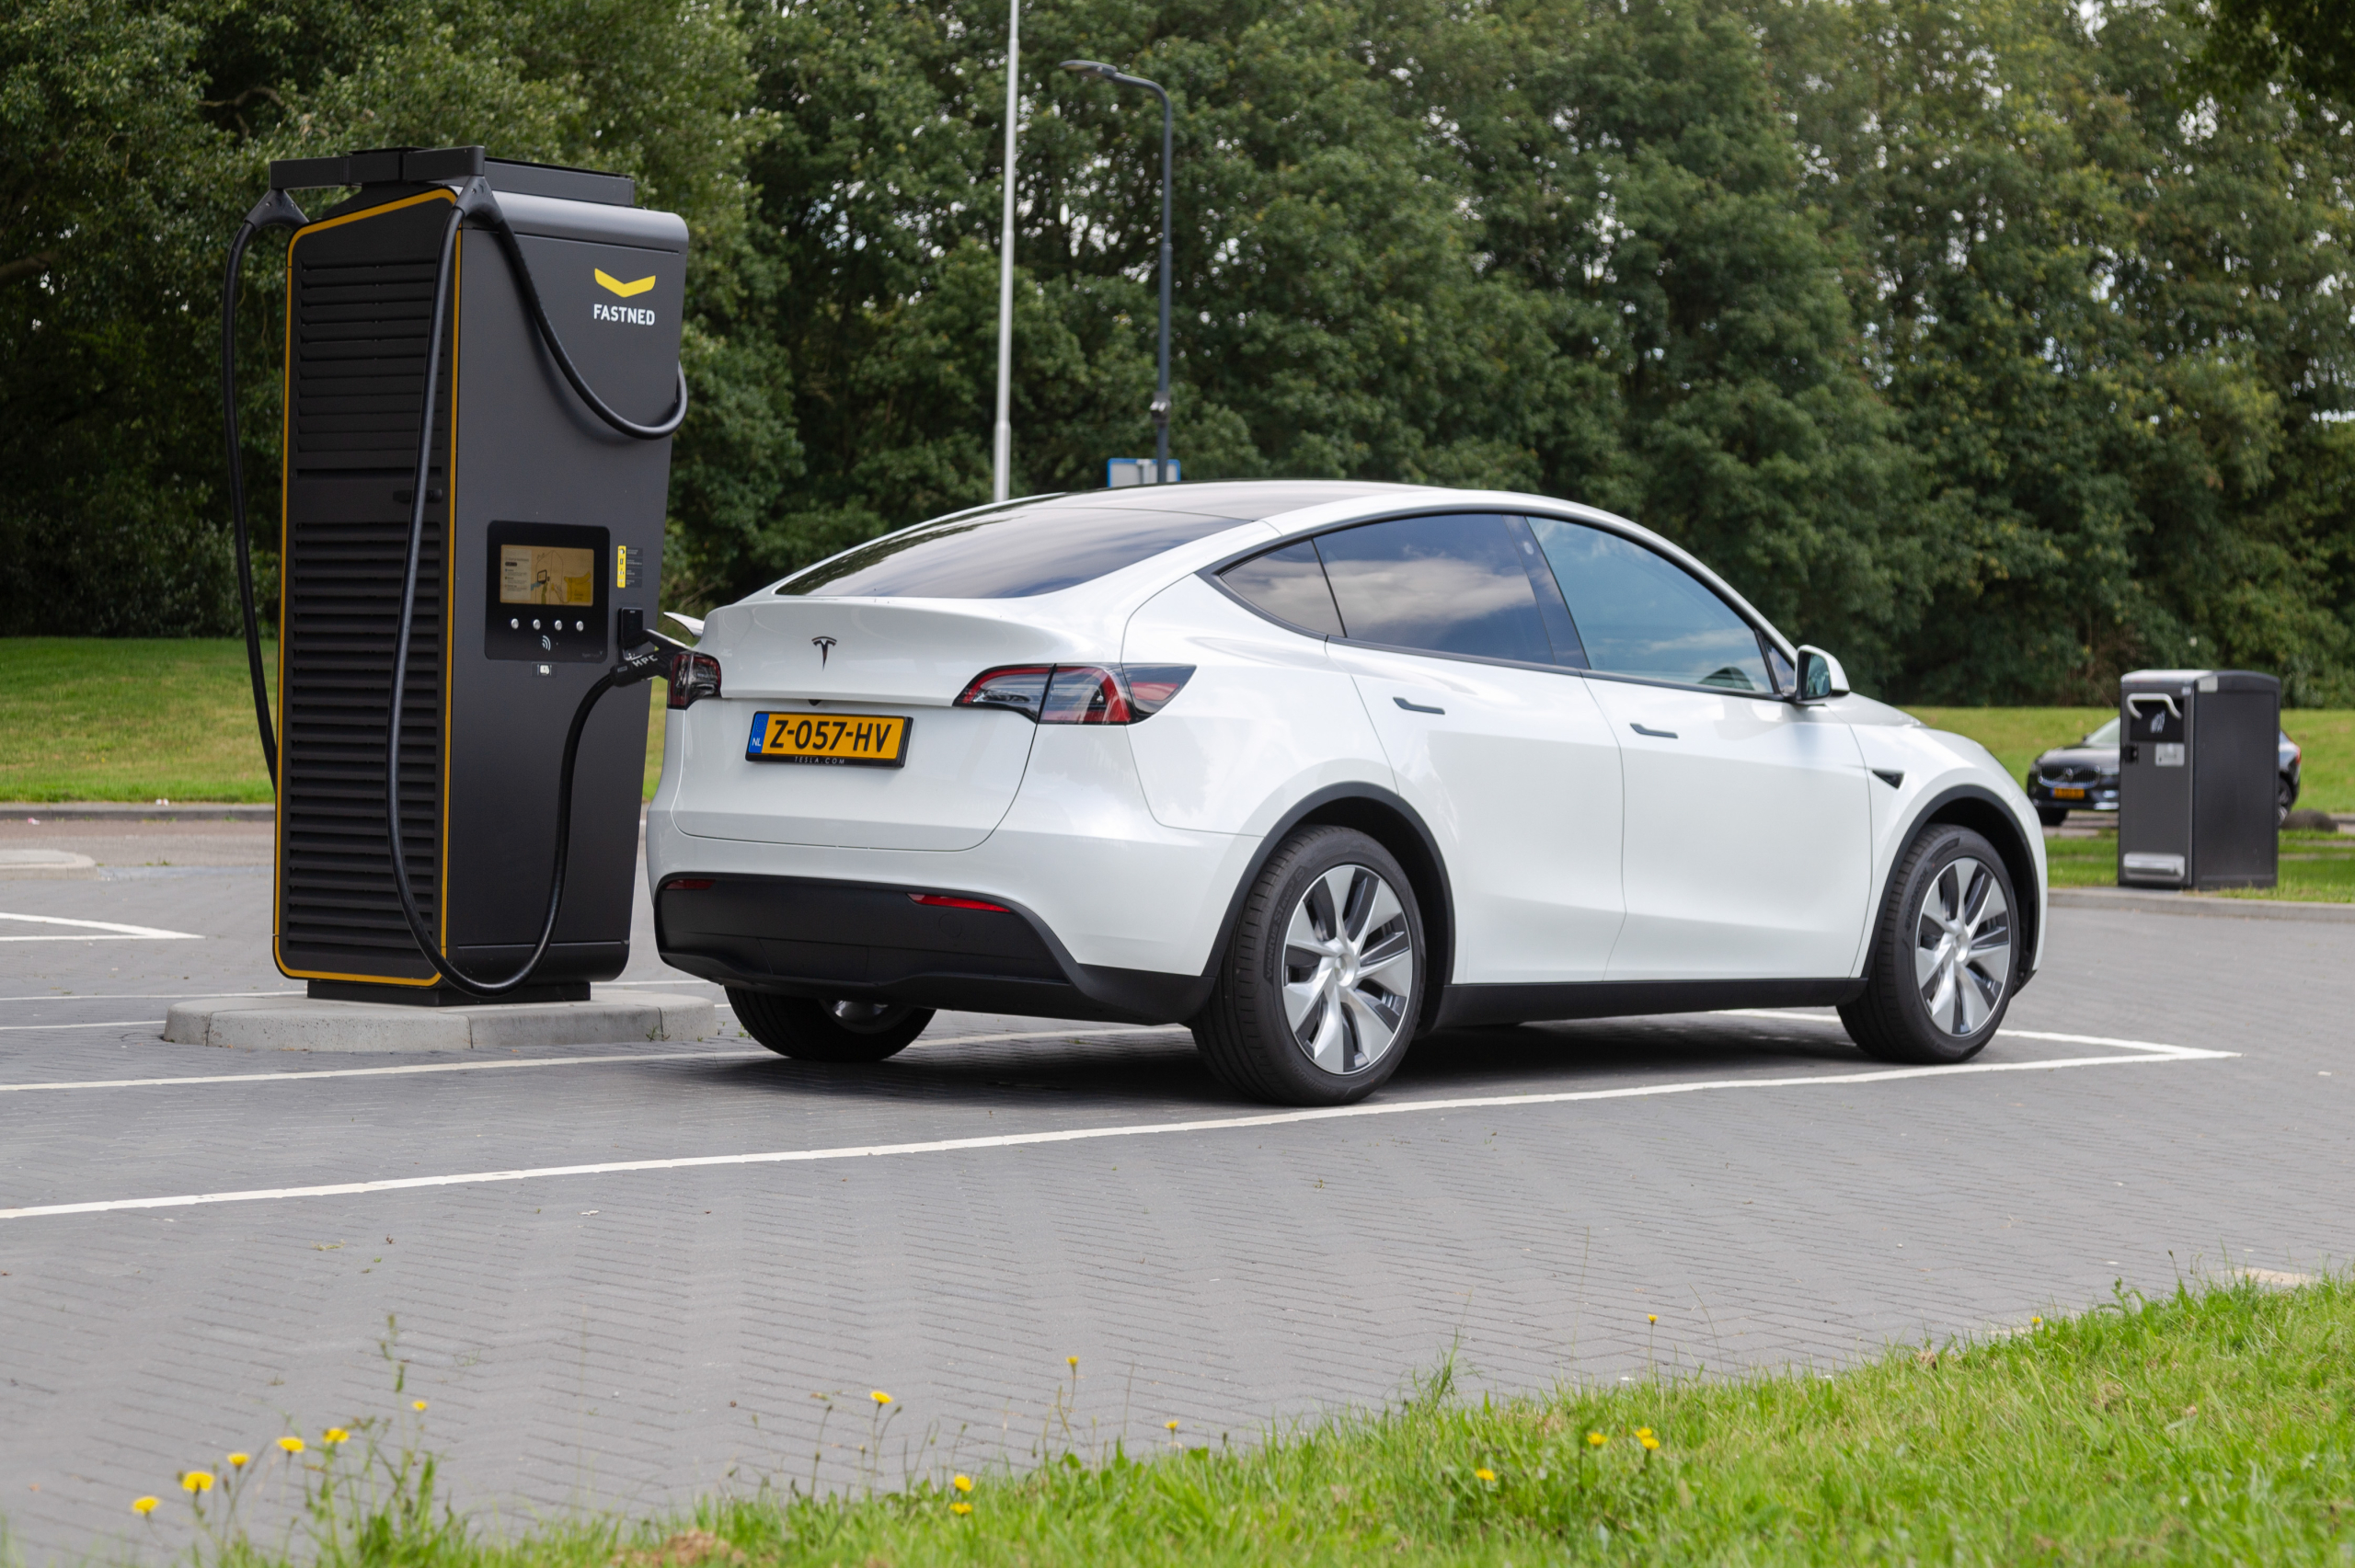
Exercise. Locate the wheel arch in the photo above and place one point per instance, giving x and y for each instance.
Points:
(1396, 826)
(1981, 810)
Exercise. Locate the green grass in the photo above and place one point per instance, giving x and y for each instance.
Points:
(2317, 867)
(2017, 734)
(2214, 1424)
(107, 718)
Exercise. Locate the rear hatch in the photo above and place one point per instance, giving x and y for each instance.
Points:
(858, 658)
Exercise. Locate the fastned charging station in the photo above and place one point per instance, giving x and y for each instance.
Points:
(481, 377)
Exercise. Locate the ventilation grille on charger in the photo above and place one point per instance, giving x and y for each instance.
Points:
(356, 394)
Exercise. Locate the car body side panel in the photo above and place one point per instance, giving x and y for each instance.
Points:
(1265, 721)
(1932, 763)
(1516, 772)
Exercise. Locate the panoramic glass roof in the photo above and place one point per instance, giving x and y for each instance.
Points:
(1037, 546)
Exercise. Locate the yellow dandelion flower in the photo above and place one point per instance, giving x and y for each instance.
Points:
(1650, 1441)
(291, 1445)
(961, 1509)
(878, 1396)
(963, 1483)
(418, 1405)
(1651, 1317)
(197, 1481)
(1596, 1439)
(239, 1461)
(2032, 1322)
(1171, 1424)
(1643, 1431)
(1484, 1473)
(142, 1507)
(333, 1435)
(1072, 1362)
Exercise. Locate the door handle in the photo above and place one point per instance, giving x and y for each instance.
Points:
(1416, 707)
(1655, 734)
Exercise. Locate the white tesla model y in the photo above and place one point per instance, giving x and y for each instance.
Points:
(1315, 768)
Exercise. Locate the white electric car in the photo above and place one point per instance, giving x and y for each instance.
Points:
(1315, 768)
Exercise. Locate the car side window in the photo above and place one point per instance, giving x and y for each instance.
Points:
(1290, 585)
(1447, 584)
(1641, 614)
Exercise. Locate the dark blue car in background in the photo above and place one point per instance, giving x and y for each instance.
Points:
(2084, 777)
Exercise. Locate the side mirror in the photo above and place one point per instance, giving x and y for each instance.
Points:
(1820, 677)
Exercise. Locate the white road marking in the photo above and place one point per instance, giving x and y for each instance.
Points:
(141, 995)
(2151, 1045)
(113, 1024)
(1084, 1134)
(491, 1066)
(99, 931)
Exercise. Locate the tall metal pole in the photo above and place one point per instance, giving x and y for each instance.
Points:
(1161, 389)
(1168, 141)
(1002, 480)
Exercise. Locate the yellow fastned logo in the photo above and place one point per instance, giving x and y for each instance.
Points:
(633, 316)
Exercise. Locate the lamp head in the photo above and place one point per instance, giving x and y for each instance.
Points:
(1092, 68)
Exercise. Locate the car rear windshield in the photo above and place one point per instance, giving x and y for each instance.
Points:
(1007, 551)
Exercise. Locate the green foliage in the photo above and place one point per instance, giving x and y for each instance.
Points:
(2002, 345)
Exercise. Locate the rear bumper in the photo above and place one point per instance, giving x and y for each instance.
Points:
(869, 942)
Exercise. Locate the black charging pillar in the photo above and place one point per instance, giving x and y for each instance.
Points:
(543, 526)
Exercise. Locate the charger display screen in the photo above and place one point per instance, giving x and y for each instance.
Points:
(547, 574)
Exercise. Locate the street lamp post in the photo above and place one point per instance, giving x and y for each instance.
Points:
(1168, 137)
(1002, 444)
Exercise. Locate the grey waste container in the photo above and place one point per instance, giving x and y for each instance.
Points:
(2196, 765)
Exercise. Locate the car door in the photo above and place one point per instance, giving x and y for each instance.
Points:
(1748, 836)
(1490, 733)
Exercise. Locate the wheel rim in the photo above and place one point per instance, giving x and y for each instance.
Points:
(866, 1017)
(1962, 946)
(1348, 971)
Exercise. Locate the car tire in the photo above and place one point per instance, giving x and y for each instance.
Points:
(809, 1030)
(2285, 797)
(1939, 972)
(1320, 985)
(2053, 816)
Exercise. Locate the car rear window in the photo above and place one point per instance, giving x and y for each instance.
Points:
(1006, 553)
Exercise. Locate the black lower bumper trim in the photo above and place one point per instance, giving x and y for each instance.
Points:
(859, 941)
(1468, 1005)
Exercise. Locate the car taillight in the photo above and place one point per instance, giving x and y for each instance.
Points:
(694, 676)
(950, 901)
(1077, 693)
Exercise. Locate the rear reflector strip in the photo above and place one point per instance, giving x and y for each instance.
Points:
(943, 901)
(686, 885)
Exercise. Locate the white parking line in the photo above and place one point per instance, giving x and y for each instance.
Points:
(1083, 1134)
(98, 930)
(412, 1068)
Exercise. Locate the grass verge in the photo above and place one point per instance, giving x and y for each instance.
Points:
(2315, 867)
(2017, 734)
(2215, 1424)
(126, 718)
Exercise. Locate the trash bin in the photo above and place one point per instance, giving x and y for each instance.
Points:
(2196, 765)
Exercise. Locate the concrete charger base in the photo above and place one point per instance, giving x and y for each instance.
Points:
(611, 1016)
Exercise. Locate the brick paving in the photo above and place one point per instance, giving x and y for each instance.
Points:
(621, 1341)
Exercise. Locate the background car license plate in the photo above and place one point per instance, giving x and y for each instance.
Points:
(2068, 795)
(870, 741)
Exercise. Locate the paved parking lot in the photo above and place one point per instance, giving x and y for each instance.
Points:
(620, 1337)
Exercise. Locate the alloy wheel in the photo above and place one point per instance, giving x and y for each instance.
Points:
(1962, 946)
(1348, 971)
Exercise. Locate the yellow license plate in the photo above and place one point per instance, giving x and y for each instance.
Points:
(2068, 795)
(868, 740)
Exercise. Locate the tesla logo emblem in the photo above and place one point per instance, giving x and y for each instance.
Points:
(825, 646)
